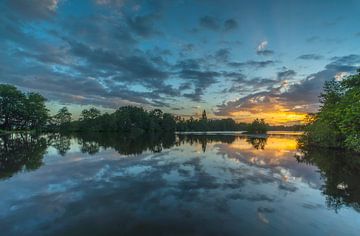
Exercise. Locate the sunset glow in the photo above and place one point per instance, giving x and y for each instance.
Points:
(235, 59)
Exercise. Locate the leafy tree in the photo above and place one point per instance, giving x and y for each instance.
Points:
(36, 113)
(337, 124)
(11, 106)
(90, 114)
(21, 111)
(258, 126)
(62, 118)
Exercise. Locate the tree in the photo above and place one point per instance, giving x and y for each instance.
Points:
(36, 113)
(21, 111)
(258, 126)
(90, 114)
(337, 124)
(63, 117)
(168, 123)
(11, 106)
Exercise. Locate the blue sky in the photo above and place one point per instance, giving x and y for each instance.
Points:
(239, 59)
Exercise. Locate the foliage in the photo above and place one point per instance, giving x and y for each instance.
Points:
(340, 170)
(205, 124)
(258, 126)
(125, 119)
(337, 124)
(20, 111)
(20, 152)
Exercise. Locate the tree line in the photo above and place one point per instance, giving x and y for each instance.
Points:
(337, 123)
(27, 111)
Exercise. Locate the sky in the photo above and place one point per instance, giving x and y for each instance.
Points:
(238, 59)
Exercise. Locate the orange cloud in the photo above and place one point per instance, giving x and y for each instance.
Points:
(277, 115)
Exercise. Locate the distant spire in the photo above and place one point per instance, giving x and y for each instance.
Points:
(204, 117)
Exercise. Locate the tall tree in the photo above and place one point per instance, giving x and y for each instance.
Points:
(63, 117)
(36, 113)
(11, 106)
(90, 114)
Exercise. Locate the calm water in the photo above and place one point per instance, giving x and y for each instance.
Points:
(175, 185)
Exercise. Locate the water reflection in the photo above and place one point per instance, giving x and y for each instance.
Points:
(20, 152)
(175, 184)
(341, 173)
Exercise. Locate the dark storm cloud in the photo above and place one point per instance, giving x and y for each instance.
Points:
(310, 57)
(33, 9)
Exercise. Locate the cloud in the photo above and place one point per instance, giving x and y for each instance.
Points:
(296, 97)
(209, 22)
(310, 57)
(110, 2)
(134, 68)
(222, 55)
(33, 9)
(144, 25)
(195, 96)
(212, 23)
(262, 49)
(195, 75)
(230, 24)
(252, 63)
(286, 75)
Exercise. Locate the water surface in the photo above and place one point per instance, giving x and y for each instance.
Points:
(184, 184)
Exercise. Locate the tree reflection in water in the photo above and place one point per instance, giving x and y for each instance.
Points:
(257, 143)
(340, 170)
(341, 173)
(19, 152)
(60, 142)
(124, 144)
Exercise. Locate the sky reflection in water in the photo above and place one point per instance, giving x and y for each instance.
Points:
(183, 185)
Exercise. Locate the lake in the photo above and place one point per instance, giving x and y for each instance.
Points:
(183, 184)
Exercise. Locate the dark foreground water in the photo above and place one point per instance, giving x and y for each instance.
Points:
(175, 185)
